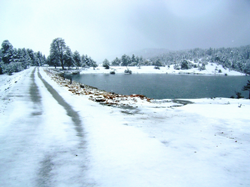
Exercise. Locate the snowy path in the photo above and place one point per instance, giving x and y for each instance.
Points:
(35, 150)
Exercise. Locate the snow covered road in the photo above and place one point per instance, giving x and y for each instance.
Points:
(40, 145)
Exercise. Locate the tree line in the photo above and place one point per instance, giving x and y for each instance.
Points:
(126, 60)
(235, 58)
(61, 55)
(15, 60)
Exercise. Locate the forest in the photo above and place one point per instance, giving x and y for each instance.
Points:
(237, 58)
(61, 55)
(14, 60)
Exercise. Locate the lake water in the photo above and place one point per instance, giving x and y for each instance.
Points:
(164, 86)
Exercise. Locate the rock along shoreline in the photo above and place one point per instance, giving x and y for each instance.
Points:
(96, 95)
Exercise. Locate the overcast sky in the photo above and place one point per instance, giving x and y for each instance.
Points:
(103, 28)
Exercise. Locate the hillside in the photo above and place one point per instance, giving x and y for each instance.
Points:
(150, 52)
(237, 58)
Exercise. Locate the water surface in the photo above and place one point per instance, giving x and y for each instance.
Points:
(164, 86)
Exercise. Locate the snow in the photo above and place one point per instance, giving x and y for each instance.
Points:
(153, 143)
(210, 70)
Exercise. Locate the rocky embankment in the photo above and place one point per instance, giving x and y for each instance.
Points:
(100, 96)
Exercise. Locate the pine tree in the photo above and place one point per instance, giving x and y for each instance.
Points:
(94, 64)
(158, 63)
(77, 59)
(83, 59)
(133, 59)
(87, 61)
(36, 59)
(40, 58)
(52, 61)
(247, 67)
(247, 88)
(27, 60)
(106, 64)
(91, 62)
(125, 60)
(32, 57)
(116, 62)
(7, 51)
(68, 57)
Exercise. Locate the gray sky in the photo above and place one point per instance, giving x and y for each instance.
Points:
(103, 28)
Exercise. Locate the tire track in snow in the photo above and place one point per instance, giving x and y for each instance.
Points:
(70, 112)
(20, 147)
(34, 93)
(50, 165)
(45, 176)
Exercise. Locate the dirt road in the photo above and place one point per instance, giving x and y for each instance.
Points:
(41, 136)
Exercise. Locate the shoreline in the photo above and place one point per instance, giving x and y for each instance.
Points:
(120, 100)
(97, 95)
(210, 71)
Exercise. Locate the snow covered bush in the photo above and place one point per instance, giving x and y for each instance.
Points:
(202, 67)
(106, 64)
(128, 71)
(12, 67)
(158, 63)
(186, 65)
(239, 96)
(177, 67)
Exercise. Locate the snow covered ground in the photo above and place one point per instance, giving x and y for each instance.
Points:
(48, 142)
(211, 69)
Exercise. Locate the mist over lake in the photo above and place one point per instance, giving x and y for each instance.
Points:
(163, 86)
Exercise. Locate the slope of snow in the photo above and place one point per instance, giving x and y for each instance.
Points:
(210, 70)
(149, 144)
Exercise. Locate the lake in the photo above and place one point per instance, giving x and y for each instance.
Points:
(165, 86)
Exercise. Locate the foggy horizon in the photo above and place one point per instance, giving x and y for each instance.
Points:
(105, 29)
